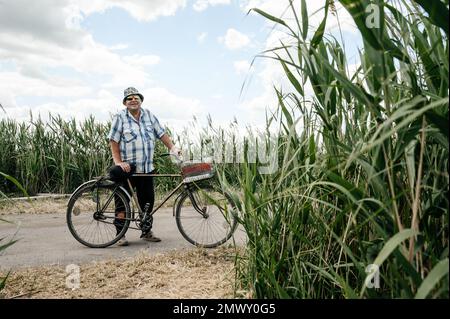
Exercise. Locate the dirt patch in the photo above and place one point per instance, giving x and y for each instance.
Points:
(183, 274)
(36, 206)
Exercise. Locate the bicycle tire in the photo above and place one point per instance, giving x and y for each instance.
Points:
(210, 231)
(81, 213)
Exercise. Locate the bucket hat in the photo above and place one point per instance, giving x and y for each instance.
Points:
(131, 91)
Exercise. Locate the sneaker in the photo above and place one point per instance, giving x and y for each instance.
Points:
(123, 241)
(150, 237)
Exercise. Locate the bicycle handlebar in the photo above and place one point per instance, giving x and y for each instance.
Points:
(178, 159)
(165, 154)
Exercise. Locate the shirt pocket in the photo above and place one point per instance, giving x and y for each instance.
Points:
(149, 132)
(129, 136)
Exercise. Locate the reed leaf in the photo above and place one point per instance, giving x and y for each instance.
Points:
(433, 278)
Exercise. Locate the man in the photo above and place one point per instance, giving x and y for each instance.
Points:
(132, 139)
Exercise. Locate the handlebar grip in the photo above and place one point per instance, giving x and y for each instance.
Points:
(164, 154)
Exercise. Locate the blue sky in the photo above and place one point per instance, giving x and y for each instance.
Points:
(188, 57)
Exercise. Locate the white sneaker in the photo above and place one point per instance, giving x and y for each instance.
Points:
(123, 241)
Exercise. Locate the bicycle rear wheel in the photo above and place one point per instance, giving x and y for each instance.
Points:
(205, 217)
(91, 215)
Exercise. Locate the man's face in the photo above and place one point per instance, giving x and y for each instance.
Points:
(133, 103)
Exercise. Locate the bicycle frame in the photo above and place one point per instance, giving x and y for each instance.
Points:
(133, 195)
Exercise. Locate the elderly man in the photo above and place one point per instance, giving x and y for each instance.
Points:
(132, 139)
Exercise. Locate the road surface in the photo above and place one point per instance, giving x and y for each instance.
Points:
(44, 239)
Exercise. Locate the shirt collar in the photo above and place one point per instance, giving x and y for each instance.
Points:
(141, 115)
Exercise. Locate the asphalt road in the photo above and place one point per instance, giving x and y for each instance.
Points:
(44, 239)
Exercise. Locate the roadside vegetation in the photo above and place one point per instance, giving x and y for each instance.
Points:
(363, 181)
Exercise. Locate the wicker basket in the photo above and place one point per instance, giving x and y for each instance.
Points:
(196, 171)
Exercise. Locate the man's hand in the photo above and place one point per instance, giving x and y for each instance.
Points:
(176, 152)
(125, 166)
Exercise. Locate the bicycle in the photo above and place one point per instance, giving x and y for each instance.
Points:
(204, 215)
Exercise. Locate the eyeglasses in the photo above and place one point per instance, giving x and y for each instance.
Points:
(131, 98)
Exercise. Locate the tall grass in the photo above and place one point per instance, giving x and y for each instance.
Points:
(11, 241)
(58, 155)
(363, 179)
(55, 156)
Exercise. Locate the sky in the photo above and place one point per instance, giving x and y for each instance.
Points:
(189, 58)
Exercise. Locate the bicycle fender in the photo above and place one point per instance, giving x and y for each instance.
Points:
(125, 191)
(175, 203)
(92, 181)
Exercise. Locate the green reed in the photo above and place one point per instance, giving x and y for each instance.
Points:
(58, 155)
(363, 170)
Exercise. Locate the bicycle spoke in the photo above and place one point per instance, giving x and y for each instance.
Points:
(93, 227)
(209, 229)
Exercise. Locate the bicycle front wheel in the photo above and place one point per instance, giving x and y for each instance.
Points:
(91, 215)
(205, 217)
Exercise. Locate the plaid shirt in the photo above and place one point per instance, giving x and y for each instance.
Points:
(136, 139)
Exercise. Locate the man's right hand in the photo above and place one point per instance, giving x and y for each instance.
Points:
(124, 166)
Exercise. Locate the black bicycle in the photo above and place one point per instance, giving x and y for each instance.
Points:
(204, 215)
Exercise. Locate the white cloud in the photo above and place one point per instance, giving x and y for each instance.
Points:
(119, 46)
(43, 39)
(102, 104)
(95, 58)
(272, 74)
(46, 20)
(201, 37)
(281, 9)
(201, 5)
(142, 10)
(168, 106)
(75, 106)
(51, 57)
(274, 7)
(234, 39)
(241, 67)
(142, 60)
(216, 2)
(48, 28)
(16, 84)
(7, 99)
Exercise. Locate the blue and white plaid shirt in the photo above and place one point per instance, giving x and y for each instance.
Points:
(136, 139)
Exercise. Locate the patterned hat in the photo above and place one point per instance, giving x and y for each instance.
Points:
(131, 91)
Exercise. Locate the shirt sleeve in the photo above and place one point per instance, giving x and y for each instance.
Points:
(158, 129)
(116, 129)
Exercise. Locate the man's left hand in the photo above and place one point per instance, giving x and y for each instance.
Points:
(175, 151)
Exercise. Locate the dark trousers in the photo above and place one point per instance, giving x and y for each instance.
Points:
(145, 193)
